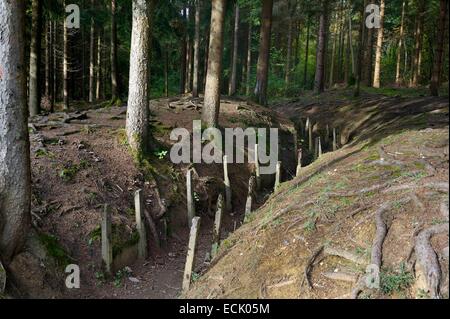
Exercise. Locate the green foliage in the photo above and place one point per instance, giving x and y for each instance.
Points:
(54, 249)
(395, 281)
(70, 170)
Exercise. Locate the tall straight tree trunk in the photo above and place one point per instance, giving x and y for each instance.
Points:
(188, 65)
(138, 90)
(210, 114)
(398, 75)
(319, 81)
(262, 72)
(379, 50)
(287, 71)
(367, 75)
(92, 59)
(350, 41)
(183, 55)
(48, 59)
(305, 71)
(34, 103)
(205, 62)
(114, 80)
(346, 58)
(99, 66)
(195, 80)
(15, 176)
(232, 87)
(416, 65)
(361, 45)
(249, 59)
(333, 53)
(65, 67)
(55, 65)
(437, 65)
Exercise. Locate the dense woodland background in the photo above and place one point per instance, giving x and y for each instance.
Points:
(98, 53)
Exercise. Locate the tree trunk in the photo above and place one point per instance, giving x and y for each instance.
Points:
(333, 53)
(55, 65)
(262, 72)
(398, 76)
(319, 81)
(249, 60)
(15, 190)
(34, 102)
(350, 41)
(437, 65)
(305, 71)
(361, 45)
(210, 114)
(367, 75)
(92, 59)
(65, 67)
(166, 72)
(287, 71)
(416, 65)
(195, 80)
(233, 78)
(183, 56)
(379, 50)
(138, 96)
(48, 59)
(114, 80)
(99, 66)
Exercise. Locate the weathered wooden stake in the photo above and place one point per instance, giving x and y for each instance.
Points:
(278, 176)
(250, 195)
(191, 254)
(334, 140)
(190, 198)
(308, 123)
(319, 148)
(299, 163)
(228, 205)
(217, 226)
(139, 208)
(107, 256)
(310, 137)
(257, 171)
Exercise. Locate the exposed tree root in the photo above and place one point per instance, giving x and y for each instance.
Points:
(341, 276)
(344, 254)
(427, 260)
(386, 160)
(309, 265)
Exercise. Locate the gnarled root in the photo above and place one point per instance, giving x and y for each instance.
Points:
(427, 265)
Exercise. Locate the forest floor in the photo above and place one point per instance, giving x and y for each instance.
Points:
(80, 161)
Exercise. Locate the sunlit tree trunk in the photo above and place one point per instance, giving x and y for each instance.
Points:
(183, 56)
(15, 190)
(65, 67)
(379, 49)
(333, 53)
(210, 114)
(262, 72)
(249, 60)
(99, 66)
(195, 80)
(305, 71)
(138, 90)
(92, 59)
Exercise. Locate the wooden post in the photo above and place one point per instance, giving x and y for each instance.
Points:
(107, 256)
(278, 176)
(217, 226)
(190, 198)
(334, 140)
(319, 148)
(139, 208)
(299, 163)
(308, 123)
(228, 205)
(191, 254)
(251, 192)
(257, 171)
(310, 137)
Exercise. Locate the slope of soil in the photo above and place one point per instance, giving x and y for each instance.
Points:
(381, 197)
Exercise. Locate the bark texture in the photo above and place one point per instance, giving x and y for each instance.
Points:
(233, 78)
(437, 65)
(319, 81)
(114, 80)
(379, 49)
(35, 58)
(195, 79)
(210, 114)
(14, 141)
